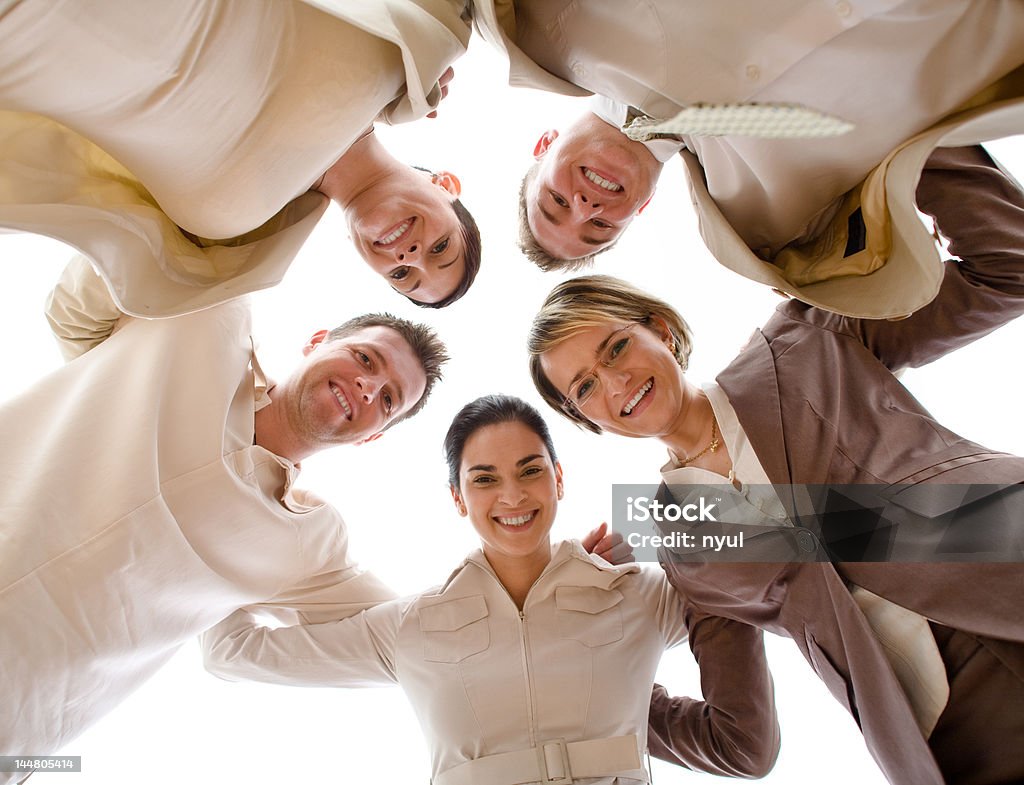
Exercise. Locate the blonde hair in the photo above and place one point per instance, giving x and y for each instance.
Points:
(595, 301)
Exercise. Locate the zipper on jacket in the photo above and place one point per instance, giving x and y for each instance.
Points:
(525, 652)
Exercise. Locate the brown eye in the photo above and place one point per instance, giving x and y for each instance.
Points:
(618, 348)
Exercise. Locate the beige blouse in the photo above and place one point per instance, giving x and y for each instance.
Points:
(122, 121)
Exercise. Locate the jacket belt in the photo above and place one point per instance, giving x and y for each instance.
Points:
(553, 762)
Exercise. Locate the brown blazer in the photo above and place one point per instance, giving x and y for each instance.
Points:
(816, 395)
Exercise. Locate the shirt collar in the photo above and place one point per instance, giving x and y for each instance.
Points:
(615, 113)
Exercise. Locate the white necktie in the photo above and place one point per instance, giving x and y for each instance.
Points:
(766, 121)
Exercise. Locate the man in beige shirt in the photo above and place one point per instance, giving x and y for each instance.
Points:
(148, 492)
(787, 212)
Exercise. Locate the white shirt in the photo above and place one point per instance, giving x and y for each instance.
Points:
(615, 113)
(161, 517)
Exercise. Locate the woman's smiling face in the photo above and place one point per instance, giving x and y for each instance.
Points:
(622, 377)
(409, 234)
(509, 488)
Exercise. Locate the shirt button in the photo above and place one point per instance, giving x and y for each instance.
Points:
(753, 73)
(806, 541)
(843, 8)
(578, 69)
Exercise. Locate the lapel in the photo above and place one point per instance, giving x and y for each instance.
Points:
(752, 386)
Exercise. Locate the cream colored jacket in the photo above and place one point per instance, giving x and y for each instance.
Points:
(130, 118)
(484, 678)
(136, 512)
(894, 68)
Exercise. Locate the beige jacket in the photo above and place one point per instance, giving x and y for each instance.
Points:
(160, 515)
(484, 678)
(894, 68)
(213, 115)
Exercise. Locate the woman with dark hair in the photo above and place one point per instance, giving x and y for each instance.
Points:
(530, 663)
(189, 149)
(924, 655)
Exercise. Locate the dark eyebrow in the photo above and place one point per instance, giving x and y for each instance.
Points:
(482, 467)
(446, 265)
(548, 215)
(383, 362)
(583, 239)
(600, 350)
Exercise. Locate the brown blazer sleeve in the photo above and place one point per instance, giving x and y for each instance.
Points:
(980, 209)
(734, 732)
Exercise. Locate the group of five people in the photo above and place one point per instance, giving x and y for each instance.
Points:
(204, 144)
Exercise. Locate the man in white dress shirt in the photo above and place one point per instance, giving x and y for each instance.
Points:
(785, 212)
(148, 492)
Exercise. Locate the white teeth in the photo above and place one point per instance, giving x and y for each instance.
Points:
(517, 521)
(341, 399)
(390, 238)
(595, 178)
(628, 408)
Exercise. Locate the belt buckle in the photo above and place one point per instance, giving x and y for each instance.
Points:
(542, 760)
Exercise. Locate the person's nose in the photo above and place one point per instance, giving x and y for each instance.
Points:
(409, 253)
(586, 207)
(615, 381)
(367, 387)
(512, 494)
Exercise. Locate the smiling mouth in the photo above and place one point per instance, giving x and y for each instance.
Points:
(395, 233)
(517, 521)
(601, 182)
(345, 405)
(637, 397)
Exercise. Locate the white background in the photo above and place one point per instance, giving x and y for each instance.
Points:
(185, 725)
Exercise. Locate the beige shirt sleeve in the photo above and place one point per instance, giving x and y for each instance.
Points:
(355, 652)
(80, 310)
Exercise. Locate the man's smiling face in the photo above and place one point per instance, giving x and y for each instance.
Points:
(349, 389)
(590, 183)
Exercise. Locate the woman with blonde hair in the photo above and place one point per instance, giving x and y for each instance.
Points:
(924, 655)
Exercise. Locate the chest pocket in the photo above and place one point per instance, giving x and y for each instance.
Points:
(588, 614)
(454, 630)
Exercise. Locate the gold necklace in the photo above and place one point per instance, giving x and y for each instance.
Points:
(710, 448)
